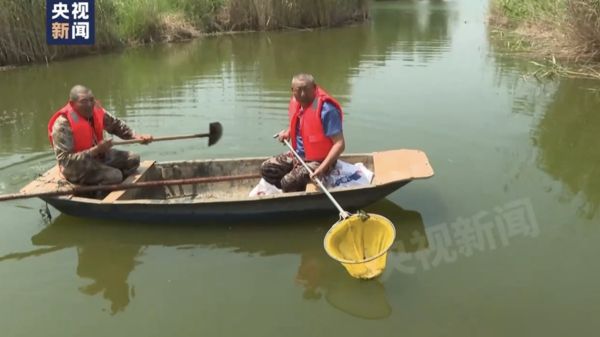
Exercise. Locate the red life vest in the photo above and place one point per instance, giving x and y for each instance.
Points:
(83, 133)
(316, 144)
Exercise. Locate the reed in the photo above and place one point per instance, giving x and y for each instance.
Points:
(563, 31)
(126, 22)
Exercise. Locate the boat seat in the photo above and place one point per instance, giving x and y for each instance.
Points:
(311, 187)
(144, 166)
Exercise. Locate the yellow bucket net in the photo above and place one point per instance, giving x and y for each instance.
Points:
(360, 243)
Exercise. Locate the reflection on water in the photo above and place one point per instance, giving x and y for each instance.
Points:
(109, 252)
(108, 269)
(567, 137)
(564, 129)
(564, 132)
(419, 31)
(322, 276)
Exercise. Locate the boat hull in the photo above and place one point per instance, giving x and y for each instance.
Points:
(272, 206)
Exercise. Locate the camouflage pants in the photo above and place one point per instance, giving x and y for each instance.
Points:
(112, 169)
(286, 172)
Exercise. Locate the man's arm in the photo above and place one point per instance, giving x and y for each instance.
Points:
(64, 148)
(117, 127)
(339, 145)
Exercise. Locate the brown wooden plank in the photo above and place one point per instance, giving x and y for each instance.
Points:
(51, 180)
(312, 187)
(398, 165)
(144, 166)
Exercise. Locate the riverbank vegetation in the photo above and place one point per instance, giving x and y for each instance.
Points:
(129, 22)
(565, 33)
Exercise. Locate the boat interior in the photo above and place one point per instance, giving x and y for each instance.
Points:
(157, 171)
(233, 189)
(387, 166)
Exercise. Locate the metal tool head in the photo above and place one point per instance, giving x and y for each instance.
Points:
(215, 133)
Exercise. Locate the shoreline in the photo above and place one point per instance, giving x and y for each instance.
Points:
(130, 23)
(133, 45)
(548, 36)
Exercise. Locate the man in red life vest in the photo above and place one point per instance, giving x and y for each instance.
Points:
(315, 131)
(83, 155)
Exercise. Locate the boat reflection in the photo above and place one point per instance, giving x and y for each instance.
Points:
(108, 253)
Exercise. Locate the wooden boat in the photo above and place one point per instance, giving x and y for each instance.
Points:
(229, 199)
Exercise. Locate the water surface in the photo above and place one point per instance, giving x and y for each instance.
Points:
(501, 242)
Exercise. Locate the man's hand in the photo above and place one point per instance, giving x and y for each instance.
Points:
(102, 147)
(146, 139)
(283, 135)
(319, 172)
(338, 147)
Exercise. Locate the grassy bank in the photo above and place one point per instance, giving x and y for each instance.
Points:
(126, 22)
(563, 31)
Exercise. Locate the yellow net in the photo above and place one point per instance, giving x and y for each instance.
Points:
(360, 242)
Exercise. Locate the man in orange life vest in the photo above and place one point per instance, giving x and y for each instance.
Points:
(83, 155)
(315, 131)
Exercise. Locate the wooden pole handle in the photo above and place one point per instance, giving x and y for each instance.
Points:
(158, 139)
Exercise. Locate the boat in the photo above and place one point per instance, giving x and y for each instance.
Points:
(228, 199)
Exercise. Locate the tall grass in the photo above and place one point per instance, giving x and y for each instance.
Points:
(519, 10)
(23, 32)
(145, 21)
(568, 29)
(273, 14)
(20, 22)
(124, 22)
(140, 19)
(201, 13)
(585, 20)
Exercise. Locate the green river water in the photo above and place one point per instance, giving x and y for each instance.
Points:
(502, 241)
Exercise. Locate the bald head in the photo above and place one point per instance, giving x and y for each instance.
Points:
(79, 90)
(82, 100)
(303, 88)
(305, 78)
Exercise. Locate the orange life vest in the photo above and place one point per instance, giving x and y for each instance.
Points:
(84, 134)
(316, 144)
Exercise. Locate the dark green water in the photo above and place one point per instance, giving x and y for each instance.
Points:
(503, 241)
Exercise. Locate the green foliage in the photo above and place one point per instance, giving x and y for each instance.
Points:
(531, 9)
(200, 12)
(585, 17)
(118, 22)
(139, 20)
(567, 29)
(276, 14)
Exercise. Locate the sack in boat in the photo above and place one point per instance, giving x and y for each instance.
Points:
(342, 175)
(264, 188)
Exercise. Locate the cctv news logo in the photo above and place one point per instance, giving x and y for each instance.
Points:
(70, 22)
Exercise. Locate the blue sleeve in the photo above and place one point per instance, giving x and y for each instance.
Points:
(331, 119)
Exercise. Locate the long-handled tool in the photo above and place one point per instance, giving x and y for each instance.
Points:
(214, 134)
(360, 241)
(343, 213)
